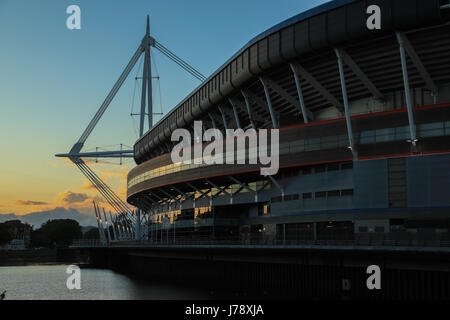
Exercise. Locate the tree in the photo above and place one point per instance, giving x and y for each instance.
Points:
(13, 229)
(57, 232)
(92, 234)
(5, 236)
(40, 239)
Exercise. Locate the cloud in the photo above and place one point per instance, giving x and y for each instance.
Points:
(70, 197)
(88, 187)
(30, 203)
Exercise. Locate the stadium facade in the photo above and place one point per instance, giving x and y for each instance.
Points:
(364, 129)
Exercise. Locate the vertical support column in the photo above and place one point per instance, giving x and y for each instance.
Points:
(107, 227)
(225, 124)
(269, 104)
(315, 231)
(213, 121)
(138, 224)
(113, 226)
(149, 79)
(236, 116)
(300, 94)
(249, 110)
(100, 231)
(174, 230)
(152, 226)
(345, 99)
(412, 127)
(144, 92)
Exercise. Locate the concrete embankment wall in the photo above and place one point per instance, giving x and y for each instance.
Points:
(299, 273)
(36, 256)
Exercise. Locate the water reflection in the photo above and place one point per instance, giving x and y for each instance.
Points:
(48, 282)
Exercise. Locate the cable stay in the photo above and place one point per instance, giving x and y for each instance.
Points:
(125, 214)
(179, 61)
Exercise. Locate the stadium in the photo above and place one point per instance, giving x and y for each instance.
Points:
(364, 134)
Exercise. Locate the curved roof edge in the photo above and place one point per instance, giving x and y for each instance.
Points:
(297, 18)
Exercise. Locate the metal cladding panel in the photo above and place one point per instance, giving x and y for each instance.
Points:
(161, 134)
(318, 32)
(214, 90)
(357, 20)
(155, 137)
(301, 34)
(428, 11)
(204, 96)
(241, 74)
(428, 181)
(196, 111)
(371, 184)
(225, 81)
(274, 49)
(233, 71)
(146, 145)
(287, 49)
(263, 54)
(253, 60)
(339, 180)
(331, 24)
(167, 131)
(174, 123)
(187, 115)
(336, 27)
(404, 13)
(180, 118)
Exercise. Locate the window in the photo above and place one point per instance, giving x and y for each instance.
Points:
(431, 129)
(321, 194)
(307, 195)
(386, 134)
(291, 197)
(334, 193)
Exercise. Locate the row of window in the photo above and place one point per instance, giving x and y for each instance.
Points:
(425, 130)
(290, 197)
(305, 145)
(328, 194)
(316, 195)
(171, 216)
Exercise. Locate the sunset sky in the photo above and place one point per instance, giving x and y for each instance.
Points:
(53, 80)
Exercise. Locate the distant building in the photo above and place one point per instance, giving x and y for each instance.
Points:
(15, 245)
(20, 234)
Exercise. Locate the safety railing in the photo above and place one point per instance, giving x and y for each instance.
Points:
(291, 243)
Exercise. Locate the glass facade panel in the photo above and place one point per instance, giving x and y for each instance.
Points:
(313, 144)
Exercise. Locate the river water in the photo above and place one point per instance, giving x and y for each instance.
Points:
(48, 282)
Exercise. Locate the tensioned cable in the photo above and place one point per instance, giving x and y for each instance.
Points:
(179, 61)
(183, 65)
